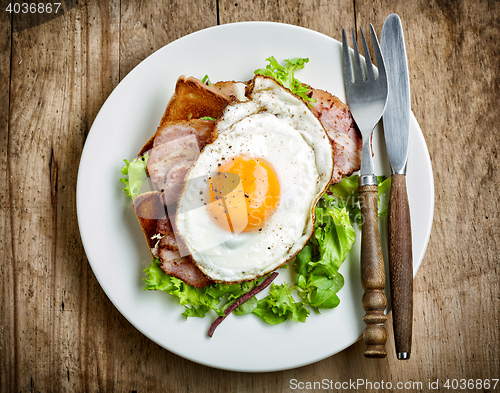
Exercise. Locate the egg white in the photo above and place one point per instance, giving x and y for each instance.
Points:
(279, 127)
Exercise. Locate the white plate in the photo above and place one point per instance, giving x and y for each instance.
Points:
(112, 237)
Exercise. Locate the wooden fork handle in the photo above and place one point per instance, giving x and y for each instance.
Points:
(400, 266)
(372, 274)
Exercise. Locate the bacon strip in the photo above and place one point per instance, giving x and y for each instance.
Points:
(171, 260)
(176, 146)
(238, 302)
(201, 129)
(183, 268)
(341, 129)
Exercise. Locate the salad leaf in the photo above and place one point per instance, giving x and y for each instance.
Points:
(135, 172)
(317, 264)
(284, 74)
(280, 305)
(346, 194)
(384, 186)
(247, 307)
(197, 301)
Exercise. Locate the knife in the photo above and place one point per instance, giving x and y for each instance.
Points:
(396, 121)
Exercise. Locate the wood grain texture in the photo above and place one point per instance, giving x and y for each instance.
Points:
(58, 330)
(372, 274)
(8, 328)
(400, 264)
(146, 27)
(320, 15)
(61, 73)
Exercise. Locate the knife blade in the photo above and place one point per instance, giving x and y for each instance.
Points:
(396, 123)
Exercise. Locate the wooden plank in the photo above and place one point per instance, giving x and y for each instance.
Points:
(8, 327)
(323, 16)
(147, 26)
(62, 72)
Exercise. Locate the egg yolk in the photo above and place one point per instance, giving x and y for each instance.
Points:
(244, 193)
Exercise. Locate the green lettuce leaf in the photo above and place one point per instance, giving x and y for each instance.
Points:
(198, 301)
(135, 173)
(346, 194)
(384, 186)
(280, 305)
(317, 264)
(247, 307)
(284, 74)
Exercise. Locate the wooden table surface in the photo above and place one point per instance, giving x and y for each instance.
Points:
(59, 331)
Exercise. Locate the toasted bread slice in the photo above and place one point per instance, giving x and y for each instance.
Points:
(193, 99)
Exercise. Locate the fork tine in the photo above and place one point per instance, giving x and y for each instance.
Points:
(357, 62)
(378, 55)
(368, 59)
(346, 59)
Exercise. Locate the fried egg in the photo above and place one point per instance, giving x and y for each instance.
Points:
(247, 205)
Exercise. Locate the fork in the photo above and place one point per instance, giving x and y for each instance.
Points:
(367, 97)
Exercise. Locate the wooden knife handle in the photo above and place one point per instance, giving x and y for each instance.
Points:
(372, 274)
(400, 266)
